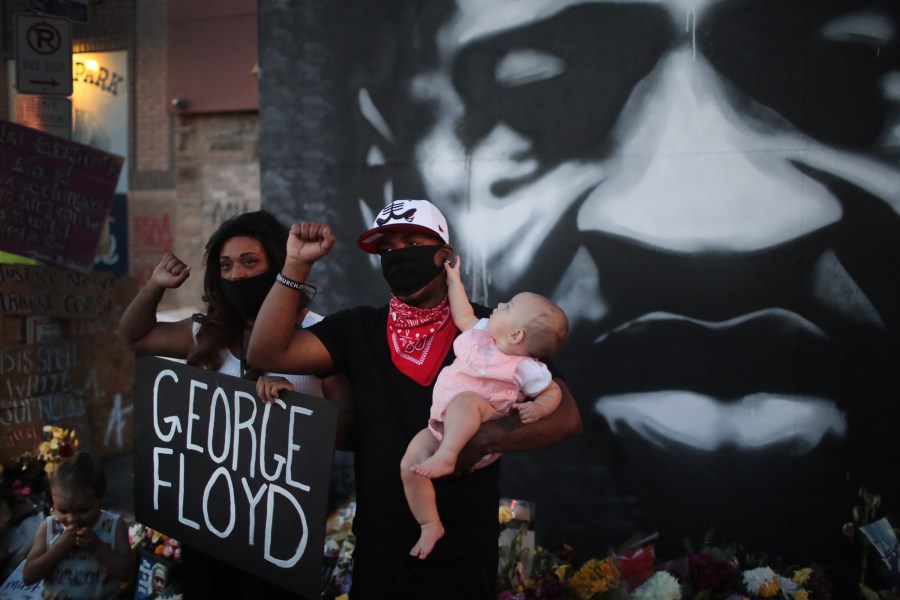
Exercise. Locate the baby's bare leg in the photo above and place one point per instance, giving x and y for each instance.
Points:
(465, 414)
(420, 493)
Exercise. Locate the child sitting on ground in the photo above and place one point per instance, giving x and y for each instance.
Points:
(495, 369)
(79, 551)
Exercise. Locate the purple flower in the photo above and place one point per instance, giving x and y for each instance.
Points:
(709, 573)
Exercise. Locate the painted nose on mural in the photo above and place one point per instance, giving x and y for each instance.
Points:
(694, 172)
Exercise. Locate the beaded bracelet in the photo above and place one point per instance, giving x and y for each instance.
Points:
(294, 285)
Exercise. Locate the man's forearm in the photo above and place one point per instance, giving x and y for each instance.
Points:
(509, 434)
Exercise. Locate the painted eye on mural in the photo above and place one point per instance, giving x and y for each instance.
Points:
(582, 59)
(835, 97)
(870, 27)
(520, 67)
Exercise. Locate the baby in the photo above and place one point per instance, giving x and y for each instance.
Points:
(495, 369)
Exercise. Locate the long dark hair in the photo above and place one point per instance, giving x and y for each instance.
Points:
(221, 326)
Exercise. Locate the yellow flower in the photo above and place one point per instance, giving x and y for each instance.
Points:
(505, 515)
(801, 595)
(801, 576)
(44, 448)
(561, 571)
(770, 588)
(49, 467)
(594, 577)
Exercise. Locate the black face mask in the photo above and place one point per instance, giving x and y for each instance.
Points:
(408, 270)
(246, 295)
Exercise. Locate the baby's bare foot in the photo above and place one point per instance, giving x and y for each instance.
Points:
(431, 533)
(435, 466)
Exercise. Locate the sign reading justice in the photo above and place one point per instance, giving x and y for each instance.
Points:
(238, 479)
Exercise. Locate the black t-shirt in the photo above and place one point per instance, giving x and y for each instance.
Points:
(389, 409)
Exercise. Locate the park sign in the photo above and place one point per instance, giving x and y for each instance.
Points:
(241, 480)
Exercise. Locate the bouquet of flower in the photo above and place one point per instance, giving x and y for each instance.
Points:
(23, 480)
(142, 537)
(550, 575)
(726, 573)
(710, 573)
(58, 444)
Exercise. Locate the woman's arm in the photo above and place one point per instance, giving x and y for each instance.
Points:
(509, 434)
(138, 325)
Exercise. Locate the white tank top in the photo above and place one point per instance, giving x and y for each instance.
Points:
(305, 384)
(80, 574)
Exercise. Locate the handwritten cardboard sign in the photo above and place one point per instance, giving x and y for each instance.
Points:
(55, 196)
(39, 386)
(20, 427)
(54, 292)
(243, 481)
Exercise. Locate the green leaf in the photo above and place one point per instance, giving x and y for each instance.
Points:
(867, 593)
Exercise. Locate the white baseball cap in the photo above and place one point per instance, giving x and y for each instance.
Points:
(405, 215)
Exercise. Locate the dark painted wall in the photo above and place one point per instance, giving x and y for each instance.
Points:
(710, 189)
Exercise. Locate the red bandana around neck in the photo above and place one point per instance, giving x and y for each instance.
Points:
(419, 338)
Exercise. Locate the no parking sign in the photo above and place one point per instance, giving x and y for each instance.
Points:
(43, 55)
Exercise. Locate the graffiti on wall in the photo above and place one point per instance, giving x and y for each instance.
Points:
(710, 190)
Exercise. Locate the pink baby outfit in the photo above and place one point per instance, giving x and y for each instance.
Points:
(481, 367)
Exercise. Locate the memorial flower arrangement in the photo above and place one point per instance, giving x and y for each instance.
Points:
(729, 573)
(710, 573)
(59, 443)
(550, 575)
(23, 480)
(142, 537)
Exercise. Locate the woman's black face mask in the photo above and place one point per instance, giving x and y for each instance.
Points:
(408, 270)
(246, 295)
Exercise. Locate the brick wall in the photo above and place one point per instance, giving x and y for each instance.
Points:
(152, 143)
(217, 177)
(186, 173)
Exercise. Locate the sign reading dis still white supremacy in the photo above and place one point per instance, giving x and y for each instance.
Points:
(240, 480)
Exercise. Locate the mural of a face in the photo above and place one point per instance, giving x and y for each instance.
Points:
(711, 190)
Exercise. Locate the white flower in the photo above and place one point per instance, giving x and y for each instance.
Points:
(662, 586)
(788, 586)
(754, 579)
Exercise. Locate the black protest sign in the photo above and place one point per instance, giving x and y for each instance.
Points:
(243, 481)
(55, 196)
